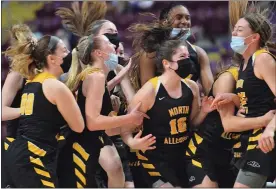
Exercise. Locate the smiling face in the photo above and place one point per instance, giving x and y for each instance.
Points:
(180, 17)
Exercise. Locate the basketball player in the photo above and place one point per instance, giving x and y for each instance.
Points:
(97, 56)
(173, 104)
(178, 18)
(46, 105)
(249, 37)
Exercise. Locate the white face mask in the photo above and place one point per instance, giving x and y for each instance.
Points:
(176, 31)
(238, 44)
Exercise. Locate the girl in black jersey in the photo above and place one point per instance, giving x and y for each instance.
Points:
(173, 105)
(46, 105)
(95, 57)
(177, 20)
(92, 14)
(256, 89)
(210, 147)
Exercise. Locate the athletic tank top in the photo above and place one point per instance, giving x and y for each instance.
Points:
(40, 120)
(255, 96)
(12, 125)
(210, 136)
(169, 121)
(195, 70)
(86, 135)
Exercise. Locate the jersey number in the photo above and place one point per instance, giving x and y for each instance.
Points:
(27, 104)
(180, 127)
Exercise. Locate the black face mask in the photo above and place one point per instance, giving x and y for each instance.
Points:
(113, 38)
(184, 68)
(67, 61)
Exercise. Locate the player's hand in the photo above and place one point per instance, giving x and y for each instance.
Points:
(206, 104)
(137, 117)
(222, 98)
(144, 143)
(241, 112)
(266, 142)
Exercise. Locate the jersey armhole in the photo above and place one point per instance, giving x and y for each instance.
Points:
(258, 52)
(156, 84)
(186, 83)
(193, 46)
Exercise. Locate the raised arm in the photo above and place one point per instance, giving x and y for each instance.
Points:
(206, 75)
(94, 89)
(12, 85)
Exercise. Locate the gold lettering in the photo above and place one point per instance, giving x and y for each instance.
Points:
(171, 112)
(175, 110)
(240, 83)
(180, 109)
(186, 109)
(175, 140)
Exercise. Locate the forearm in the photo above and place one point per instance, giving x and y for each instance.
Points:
(272, 123)
(113, 132)
(120, 73)
(236, 100)
(239, 124)
(199, 118)
(127, 89)
(127, 136)
(9, 113)
(105, 122)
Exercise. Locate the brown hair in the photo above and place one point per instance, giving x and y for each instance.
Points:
(148, 38)
(80, 20)
(28, 56)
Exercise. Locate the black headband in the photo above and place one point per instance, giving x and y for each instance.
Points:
(53, 43)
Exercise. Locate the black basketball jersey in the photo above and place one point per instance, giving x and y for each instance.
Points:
(255, 96)
(210, 136)
(40, 120)
(87, 135)
(12, 125)
(195, 70)
(169, 121)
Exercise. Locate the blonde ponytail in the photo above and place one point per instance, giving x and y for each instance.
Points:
(75, 69)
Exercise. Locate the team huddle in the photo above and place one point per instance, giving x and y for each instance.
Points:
(92, 118)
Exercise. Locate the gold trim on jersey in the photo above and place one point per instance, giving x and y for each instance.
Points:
(234, 71)
(41, 77)
(260, 51)
(36, 161)
(156, 84)
(87, 71)
(46, 183)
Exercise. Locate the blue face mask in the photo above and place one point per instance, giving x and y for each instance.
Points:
(176, 31)
(112, 61)
(238, 44)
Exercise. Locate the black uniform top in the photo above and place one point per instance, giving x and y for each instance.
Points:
(211, 137)
(195, 71)
(255, 96)
(40, 120)
(12, 125)
(86, 136)
(169, 121)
